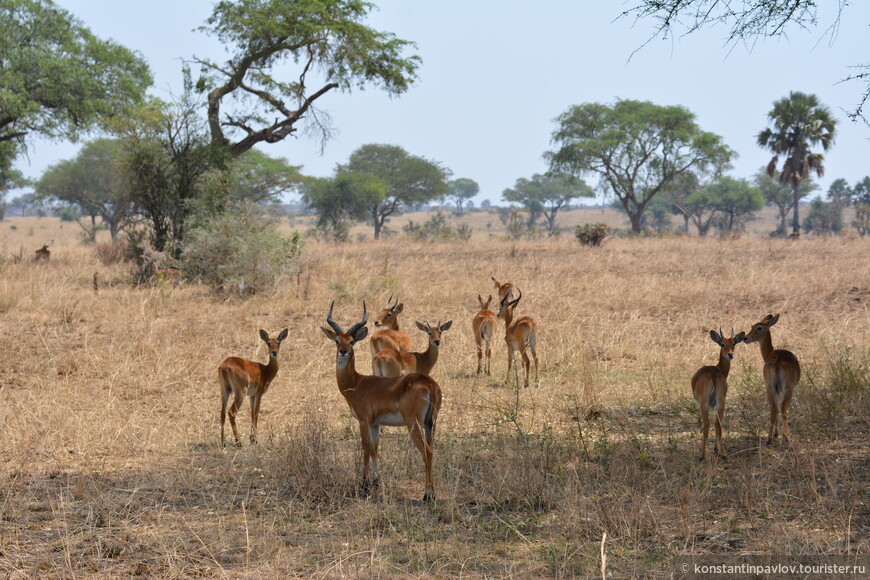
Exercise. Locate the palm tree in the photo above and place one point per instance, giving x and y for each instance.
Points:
(799, 123)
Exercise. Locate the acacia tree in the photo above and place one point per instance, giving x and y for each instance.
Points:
(409, 180)
(799, 122)
(258, 177)
(636, 148)
(738, 201)
(546, 194)
(56, 78)
(342, 200)
(327, 39)
(94, 180)
(462, 190)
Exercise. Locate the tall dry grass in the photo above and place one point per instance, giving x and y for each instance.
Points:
(110, 456)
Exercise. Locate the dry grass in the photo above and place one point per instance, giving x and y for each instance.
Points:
(109, 411)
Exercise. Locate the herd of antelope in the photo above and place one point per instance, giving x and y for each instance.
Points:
(401, 392)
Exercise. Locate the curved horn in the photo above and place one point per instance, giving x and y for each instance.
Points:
(514, 302)
(396, 303)
(331, 322)
(352, 330)
(390, 299)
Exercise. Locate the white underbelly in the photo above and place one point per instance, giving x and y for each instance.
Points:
(391, 419)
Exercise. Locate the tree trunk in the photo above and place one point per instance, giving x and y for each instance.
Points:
(796, 224)
(636, 219)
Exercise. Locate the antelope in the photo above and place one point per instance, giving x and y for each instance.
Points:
(520, 335)
(483, 325)
(390, 336)
(781, 375)
(506, 289)
(392, 363)
(413, 401)
(710, 386)
(239, 376)
(42, 253)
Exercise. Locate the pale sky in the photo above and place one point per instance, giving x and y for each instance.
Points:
(496, 73)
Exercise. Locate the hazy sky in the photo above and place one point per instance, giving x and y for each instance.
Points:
(496, 73)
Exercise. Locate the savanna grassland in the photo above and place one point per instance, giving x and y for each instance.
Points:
(110, 457)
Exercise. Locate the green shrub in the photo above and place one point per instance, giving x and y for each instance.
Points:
(241, 251)
(437, 228)
(592, 234)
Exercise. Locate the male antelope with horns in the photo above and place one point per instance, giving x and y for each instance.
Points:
(413, 401)
(520, 334)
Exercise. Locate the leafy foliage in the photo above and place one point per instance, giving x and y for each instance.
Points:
(782, 196)
(636, 148)
(409, 180)
(799, 122)
(591, 234)
(546, 194)
(241, 251)
(341, 201)
(461, 191)
(325, 38)
(437, 228)
(57, 79)
(825, 218)
(93, 180)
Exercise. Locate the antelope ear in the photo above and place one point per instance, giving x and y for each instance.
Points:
(714, 336)
(264, 335)
(361, 333)
(773, 320)
(398, 309)
(422, 327)
(741, 337)
(283, 335)
(330, 334)
(446, 325)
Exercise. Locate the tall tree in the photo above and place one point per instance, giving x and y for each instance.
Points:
(342, 200)
(678, 191)
(257, 177)
(56, 78)
(861, 199)
(461, 190)
(737, 202)
(327, 39)
(636, 148)
(94, 180)
(840, 193)
(410, 180)
(546, 194)
(166, 157)
(800, 123)
(782, 196)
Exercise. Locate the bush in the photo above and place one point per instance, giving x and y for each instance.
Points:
(592, 234)
(241, 251)
(112, 252)
(825, 218)
(437, 228)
